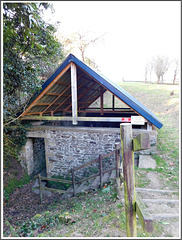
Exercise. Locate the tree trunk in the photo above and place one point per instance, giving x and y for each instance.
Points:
(174, 79)
(158, 79)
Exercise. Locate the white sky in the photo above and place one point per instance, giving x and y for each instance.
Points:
(135, 32)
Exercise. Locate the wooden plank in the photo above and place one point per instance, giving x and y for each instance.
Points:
(141, 142)
(49, 118)
(62, 83)
(74, 93)
(86, 164)
(56, 180)
(53, 190)
(78, 96)
(86, 179)
(129, 179)
(99, 119)
(143, 215)
(47, 88)
(108, 154)
(109, 170)
(51, 94)
(56, 99)
(64, 118)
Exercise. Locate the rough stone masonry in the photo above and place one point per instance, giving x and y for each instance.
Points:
(68, 147)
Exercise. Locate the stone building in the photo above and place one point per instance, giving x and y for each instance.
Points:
(73, 124)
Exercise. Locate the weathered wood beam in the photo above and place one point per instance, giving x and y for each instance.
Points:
(52, 94)
(144, 216)
(141, 142)
(64, 118)
(46, 104)
(113, 102)
(101, 101)
(56, 99)
(78, 96)
(62, 83)
(129, 179)
(74, 92)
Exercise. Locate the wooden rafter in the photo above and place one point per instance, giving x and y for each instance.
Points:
(56, 99)
(69, 97)
(82, 94)
(47, 88)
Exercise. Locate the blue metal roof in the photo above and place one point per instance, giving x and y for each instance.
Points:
(112, 87)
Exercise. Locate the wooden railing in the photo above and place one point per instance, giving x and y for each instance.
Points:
(101, 172)
(40, 178)
(124, 174)
(74, 170)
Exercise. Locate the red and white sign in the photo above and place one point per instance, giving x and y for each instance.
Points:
(125, 119)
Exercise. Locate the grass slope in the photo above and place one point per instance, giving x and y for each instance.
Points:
(100, 213)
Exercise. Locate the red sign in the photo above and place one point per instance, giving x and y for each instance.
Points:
(125, 119)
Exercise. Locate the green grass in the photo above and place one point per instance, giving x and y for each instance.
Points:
(13, 183)
(92, 213)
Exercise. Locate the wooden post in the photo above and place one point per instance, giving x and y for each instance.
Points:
(101, 101)
(129, 179)
(74, 93)
(100, 171)
(118, 165)
(73, 182)
(113, 101)
(141, 142)
(40, 188)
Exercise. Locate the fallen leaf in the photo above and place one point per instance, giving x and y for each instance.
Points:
(44, 226)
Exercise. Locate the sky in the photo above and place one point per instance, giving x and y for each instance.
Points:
(134, 32)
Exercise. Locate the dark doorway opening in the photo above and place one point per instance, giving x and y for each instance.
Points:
(39, 156)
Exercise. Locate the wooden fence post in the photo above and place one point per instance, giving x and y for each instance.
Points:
(73, 182)
(118, 165)
(40, 188)
(100, 171)
(129, 178)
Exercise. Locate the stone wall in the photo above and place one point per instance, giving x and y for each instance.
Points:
(68, 147)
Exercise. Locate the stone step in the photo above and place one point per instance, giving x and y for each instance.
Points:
(164, 216)
(113, 175)
(106, 177)
(163, 207)
(80, 188)
(156, 194)
(87, 185)
(95, 184)
(35, 188)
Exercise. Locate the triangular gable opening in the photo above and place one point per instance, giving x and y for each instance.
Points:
(69, 95)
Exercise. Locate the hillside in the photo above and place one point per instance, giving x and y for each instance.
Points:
(100, 213)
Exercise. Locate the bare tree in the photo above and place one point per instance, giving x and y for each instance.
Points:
(80, 41)
(148, 71)
(160, 65)
(176, 70)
